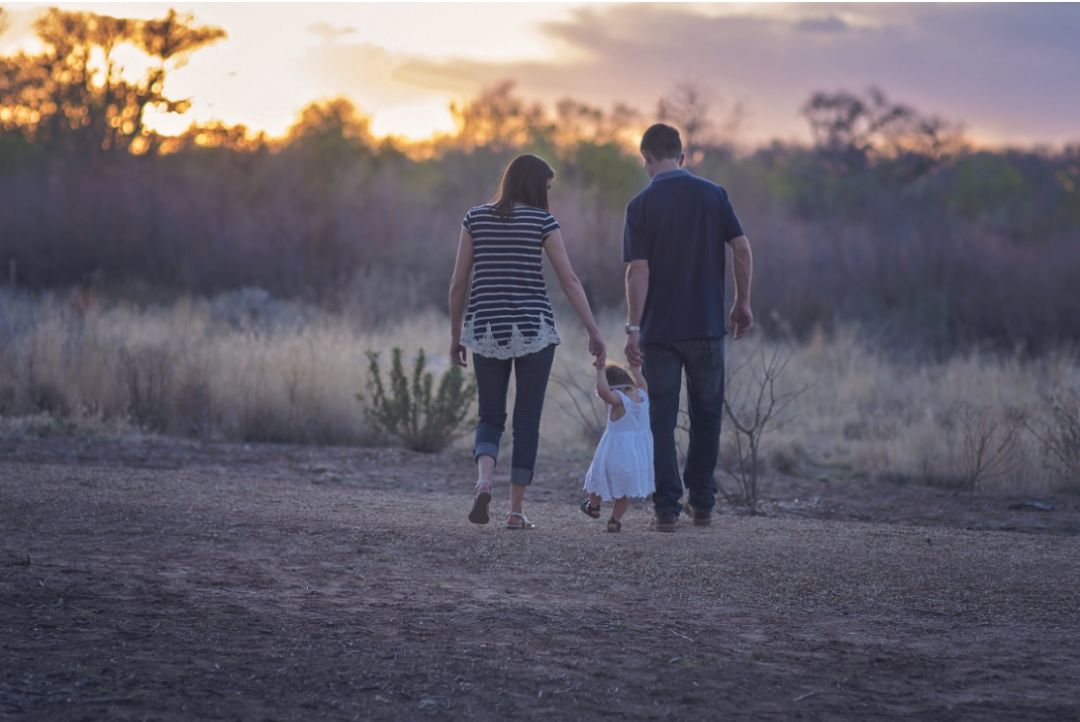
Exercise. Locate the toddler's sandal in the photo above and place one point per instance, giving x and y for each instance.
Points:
(590, 510)
(614, 526)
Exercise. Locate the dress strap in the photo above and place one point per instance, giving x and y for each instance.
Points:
(628, 402)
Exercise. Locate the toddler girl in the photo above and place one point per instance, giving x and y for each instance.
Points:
(622, 467)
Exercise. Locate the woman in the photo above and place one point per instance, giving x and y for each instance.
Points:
(508, 323)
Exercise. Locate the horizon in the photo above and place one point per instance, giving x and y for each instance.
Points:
(404, 75)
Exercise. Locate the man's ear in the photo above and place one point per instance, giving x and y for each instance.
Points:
(682, 159)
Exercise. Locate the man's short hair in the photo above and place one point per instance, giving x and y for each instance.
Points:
(661, 142)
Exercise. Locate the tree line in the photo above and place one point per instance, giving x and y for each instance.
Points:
(889, 218)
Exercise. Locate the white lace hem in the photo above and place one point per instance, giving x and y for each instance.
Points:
(518, 346)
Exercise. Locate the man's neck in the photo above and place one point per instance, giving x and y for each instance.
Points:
(665, 166)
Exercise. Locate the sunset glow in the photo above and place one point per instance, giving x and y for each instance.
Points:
(403, 64)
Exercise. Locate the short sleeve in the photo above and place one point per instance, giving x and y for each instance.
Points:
(635, 241)
(732, 227)
(550, 226)
(466, 223)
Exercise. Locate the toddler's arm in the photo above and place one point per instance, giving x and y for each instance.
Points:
(604, 391)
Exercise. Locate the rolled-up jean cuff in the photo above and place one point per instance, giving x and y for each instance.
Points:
(486, 448)
(521, 477)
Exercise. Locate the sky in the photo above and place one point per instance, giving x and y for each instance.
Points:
(1008, 72)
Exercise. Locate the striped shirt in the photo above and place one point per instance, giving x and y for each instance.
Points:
(509, 314)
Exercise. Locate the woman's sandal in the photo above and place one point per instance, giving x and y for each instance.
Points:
(590, 510)
(523, 524)
(614, 525)
(479, 512)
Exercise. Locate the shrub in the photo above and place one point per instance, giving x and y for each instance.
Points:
(1060, 436)
(987, 445)
(755, 405)
(409, 412)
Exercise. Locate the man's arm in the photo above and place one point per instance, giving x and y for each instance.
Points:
(637, 288)
(742, 318)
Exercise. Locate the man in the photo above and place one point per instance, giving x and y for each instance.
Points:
(673, 243)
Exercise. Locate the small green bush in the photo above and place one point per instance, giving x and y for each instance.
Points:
(409, 411)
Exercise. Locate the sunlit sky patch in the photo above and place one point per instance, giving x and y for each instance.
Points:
(1005, 71)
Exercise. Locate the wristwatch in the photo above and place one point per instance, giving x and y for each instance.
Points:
(631, 328)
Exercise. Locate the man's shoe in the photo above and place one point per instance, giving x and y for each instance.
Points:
(701, 518)
(665, 524)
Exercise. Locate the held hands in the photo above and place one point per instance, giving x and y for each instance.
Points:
(598, 349)
(633, 348)
(458, 353)
(742, 319)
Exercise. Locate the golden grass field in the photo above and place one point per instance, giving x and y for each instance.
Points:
(259, 370)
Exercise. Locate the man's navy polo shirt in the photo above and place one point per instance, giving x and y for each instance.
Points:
(680, 224)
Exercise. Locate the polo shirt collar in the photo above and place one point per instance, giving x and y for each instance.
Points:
(668, 174)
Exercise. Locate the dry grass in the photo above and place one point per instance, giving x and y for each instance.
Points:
(244, 367)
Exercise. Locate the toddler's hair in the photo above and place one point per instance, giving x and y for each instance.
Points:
(617, 376)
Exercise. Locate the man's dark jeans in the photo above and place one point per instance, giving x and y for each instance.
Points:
(703, 360)
(531, 374)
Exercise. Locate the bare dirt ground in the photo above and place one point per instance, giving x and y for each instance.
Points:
(159, 579)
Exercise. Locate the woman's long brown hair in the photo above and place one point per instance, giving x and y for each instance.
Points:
(525, 181)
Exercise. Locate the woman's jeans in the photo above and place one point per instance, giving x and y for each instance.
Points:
(492, 380)
(703, 360)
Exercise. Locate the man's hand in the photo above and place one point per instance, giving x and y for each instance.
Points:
(633, 348)
(598, 349)
(458, 353)
(742, 319)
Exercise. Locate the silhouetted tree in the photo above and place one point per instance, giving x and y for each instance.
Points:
(497, 119)
(578, 122)
(692, 108)
(74, 94)
(336, 119)
(215, 135)
(850, 130)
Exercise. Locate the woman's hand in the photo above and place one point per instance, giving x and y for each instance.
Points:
(458, 353)
(597, 348)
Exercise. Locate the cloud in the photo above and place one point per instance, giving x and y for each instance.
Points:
(328, 32)
(822, 24)
(367, 73)
(1004, 70)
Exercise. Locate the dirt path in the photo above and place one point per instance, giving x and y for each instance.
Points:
(251, 583)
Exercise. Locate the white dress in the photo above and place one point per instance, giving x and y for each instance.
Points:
(623, 463)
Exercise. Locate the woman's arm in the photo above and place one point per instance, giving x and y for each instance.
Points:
(604, 391)
(575, 294)
(459, 286)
